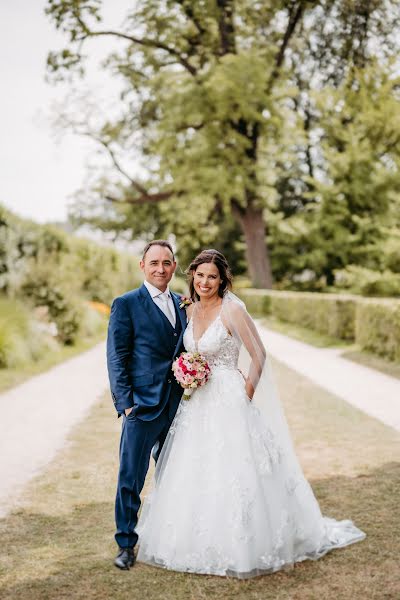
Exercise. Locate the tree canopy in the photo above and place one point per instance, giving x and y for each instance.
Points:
(264, 123)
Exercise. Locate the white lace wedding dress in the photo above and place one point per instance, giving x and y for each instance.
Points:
(223, 501)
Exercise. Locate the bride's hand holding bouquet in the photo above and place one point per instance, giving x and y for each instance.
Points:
(191, 371)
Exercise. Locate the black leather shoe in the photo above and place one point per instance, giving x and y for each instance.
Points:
(125, 559)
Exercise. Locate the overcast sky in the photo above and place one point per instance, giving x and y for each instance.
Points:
(38, 174)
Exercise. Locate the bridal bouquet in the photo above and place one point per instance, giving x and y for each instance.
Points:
(191, 371)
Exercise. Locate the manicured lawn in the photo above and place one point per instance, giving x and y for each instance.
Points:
(59, 543)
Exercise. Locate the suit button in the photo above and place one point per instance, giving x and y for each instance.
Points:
(169, 381)
(175, 334)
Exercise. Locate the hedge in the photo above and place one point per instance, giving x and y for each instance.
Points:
(307, 309)
(42, 265)
(21, 339)
(378, 327)
(374, 324)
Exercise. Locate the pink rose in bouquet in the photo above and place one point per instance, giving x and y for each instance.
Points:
(191, 371)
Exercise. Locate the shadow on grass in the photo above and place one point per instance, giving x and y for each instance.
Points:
(70, 556)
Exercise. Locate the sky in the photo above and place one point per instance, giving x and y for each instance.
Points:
(38, 172)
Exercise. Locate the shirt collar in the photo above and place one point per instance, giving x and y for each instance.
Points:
(153, 291)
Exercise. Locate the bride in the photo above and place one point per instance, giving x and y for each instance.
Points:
(229, 496)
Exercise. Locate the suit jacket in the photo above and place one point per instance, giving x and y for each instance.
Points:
(141, 346)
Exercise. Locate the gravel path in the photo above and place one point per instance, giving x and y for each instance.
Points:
(36, 417)
(375, 393)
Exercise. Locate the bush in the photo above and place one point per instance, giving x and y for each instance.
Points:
(47, 279)
(21, 339)
(53, 285)
(14, 330)
(103, 272)
(330, 314)
(367, 282)
(95, 319)
(258, 302)
(373, 324)
(378, 327)
(68, 267)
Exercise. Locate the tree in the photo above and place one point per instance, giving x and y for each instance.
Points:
(211, 89)
(355, 214)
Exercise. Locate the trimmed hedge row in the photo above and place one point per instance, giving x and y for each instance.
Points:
(374, 324)
(378, 327)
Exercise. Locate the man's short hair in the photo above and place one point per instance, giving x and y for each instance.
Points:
(162, 243)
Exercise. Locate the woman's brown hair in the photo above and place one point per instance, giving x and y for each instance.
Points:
(219, 260)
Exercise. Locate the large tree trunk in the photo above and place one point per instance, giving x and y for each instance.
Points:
(252, 223)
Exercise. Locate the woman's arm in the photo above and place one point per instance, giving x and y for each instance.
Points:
(242, 326)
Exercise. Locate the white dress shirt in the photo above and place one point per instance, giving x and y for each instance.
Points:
(163, 300)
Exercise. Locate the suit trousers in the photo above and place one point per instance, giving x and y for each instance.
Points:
(137, 441)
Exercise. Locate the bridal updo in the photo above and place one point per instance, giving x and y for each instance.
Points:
(219, 260)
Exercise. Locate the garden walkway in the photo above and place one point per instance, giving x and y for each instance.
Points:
(37, 416)
(375, 393)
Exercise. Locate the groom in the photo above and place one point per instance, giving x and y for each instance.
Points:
(144, 336)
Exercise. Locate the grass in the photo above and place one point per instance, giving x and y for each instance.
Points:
(59, 543)
(373, 361)
(319, 340)
(11, 377)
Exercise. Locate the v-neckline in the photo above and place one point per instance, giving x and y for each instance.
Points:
(196, 342)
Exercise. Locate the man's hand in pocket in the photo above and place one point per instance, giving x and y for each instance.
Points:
(128, 410)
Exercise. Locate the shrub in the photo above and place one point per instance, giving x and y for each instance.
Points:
(103, 272)
(49, 267)
(14, 330)
(21, 339)
(378, 327)
(258, 302)
(44, 267)
(330, 314)
(367, 282)
(374, 324)
(52, 284)
(95, 319)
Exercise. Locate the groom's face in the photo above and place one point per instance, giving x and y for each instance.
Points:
(158, 266)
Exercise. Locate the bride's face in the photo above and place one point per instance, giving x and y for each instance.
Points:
(206, 280)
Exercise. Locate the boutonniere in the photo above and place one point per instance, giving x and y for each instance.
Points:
(185, 301)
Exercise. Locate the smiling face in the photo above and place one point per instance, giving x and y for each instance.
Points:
(207, 280)
(158, 266)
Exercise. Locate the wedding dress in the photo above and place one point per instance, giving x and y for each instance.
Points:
(227, 497)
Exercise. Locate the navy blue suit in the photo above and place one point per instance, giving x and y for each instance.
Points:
(141, 346)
